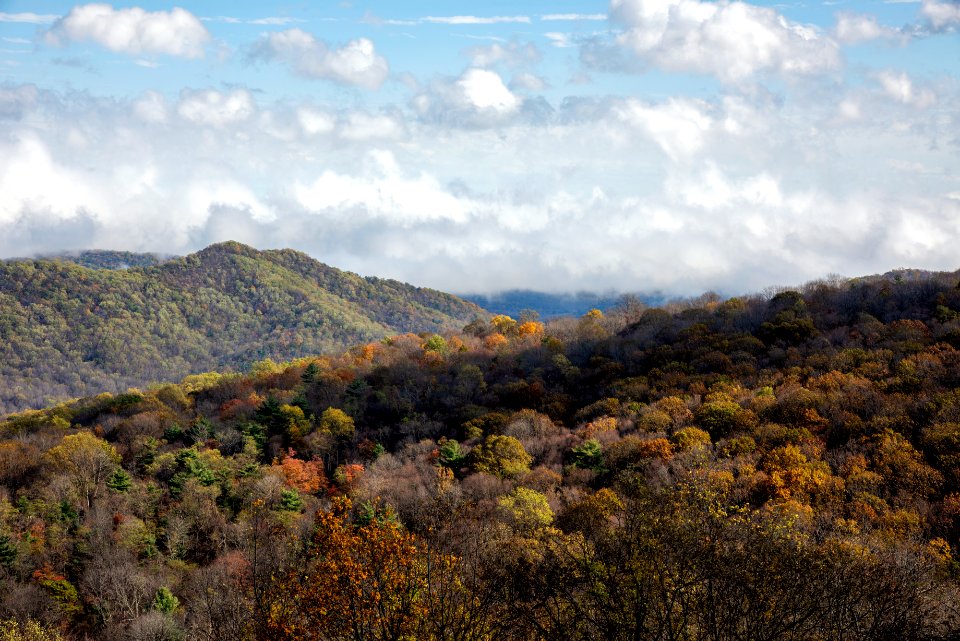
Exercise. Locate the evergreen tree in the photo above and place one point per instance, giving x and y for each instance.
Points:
(8, 552)
(290, 501)
(120, 481)
(165, 601)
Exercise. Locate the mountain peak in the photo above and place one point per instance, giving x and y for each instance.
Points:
(229, 247)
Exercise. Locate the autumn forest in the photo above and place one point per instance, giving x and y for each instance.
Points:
(781, 466)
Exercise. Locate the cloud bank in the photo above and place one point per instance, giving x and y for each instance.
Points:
(746, 149)
(681, 195)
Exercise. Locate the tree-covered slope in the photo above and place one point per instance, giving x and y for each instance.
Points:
(68, 330)
(782, 467)
(104, 259)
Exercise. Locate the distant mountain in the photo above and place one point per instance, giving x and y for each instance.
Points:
(516, 301)
(67, 329)
(103, 259)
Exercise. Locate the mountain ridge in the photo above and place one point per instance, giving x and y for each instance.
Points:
(69, 330)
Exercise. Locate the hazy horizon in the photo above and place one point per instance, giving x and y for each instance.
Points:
(509, 296)
(679, 146)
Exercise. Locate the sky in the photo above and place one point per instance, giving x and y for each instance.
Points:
(637, 145)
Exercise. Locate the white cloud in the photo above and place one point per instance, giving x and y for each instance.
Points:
(29, 18)
(31, 179)
(383, 191)
(478, 98)
(475, 19)
(853, 28)
(202, 196)
(732, 40)
(849, 110)
(355, 63)
(359, 126)
(484, 90)
(132, 31)
(559, 40)
(223, 19)
(269, 20)
(211, 107)
(151, 108)
(734, 194)
(527, 82)
(275, 20)
(571, 17)
(677, 126)
(514, 54)
(899, 87)
(941, 15)
(316, 122)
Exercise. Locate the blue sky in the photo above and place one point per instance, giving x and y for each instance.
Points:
(679, 145)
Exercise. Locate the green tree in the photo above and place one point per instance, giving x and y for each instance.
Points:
(165, 601)
(120, 481)
(451, 455)
(290, 501)
(436, 343)
(588, 455)
(501, 456)
(8, 552)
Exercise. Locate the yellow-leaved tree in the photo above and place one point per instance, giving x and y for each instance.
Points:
(87, 460)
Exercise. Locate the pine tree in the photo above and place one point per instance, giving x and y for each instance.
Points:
(120, 481)
(290, 501)
(8, 552)
(310, 374)
(165, 601)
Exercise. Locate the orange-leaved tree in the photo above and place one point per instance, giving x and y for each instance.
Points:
(359, 582)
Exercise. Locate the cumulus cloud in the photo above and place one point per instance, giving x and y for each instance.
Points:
(355, 63)
(382, 191)
(853, 28)
(677, 126)
(732, 40)
(478, 97)
(484, 90)
(942, 15)
(35, 181)
(900, 87)
(211, 107)
(132, 31)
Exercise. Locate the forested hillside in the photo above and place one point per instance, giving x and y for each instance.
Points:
(772, 467)
(103, 259)
(68, 330)
(514, 302)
